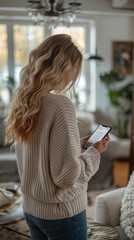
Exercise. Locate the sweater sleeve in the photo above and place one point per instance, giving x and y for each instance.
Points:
(67, 165)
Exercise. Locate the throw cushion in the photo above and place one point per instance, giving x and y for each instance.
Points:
(6, 197)
(127, 209)
(86, 123)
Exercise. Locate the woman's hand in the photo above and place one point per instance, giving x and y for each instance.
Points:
(102, 145)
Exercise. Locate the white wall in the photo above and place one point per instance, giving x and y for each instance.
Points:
(109, 29)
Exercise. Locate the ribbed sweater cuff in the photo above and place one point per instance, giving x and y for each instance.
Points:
(94, 157)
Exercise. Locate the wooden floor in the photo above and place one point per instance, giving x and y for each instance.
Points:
(121, 172)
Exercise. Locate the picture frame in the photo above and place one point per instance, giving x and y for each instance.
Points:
(123, 57)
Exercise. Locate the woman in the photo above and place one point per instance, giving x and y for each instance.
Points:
(54, 168)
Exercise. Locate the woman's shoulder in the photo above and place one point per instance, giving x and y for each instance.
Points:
(59, 99)
(58, 106)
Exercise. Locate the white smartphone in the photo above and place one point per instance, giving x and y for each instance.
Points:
(99, 133)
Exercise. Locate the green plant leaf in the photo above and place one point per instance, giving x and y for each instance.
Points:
(114, 97)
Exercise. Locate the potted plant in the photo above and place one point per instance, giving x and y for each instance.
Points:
(120, 98)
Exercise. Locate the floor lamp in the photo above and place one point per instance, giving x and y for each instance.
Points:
(131, 167)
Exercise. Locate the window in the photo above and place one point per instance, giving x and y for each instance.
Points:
(3, 52)
(17, 40)
(26, 38)
(78, 34)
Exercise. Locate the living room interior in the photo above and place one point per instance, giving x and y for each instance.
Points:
(103, 30)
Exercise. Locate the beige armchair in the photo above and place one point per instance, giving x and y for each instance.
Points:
(107, 209)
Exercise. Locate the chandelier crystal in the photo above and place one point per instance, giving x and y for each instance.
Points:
(53, 12)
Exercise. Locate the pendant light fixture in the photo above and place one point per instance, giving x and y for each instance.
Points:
(95, 57)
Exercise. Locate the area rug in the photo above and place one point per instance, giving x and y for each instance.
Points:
(16, 231)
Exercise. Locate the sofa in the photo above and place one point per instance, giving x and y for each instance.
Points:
(107, 210)
(8, 166)
(117, 148)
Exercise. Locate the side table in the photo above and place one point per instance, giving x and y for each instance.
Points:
(121, 172)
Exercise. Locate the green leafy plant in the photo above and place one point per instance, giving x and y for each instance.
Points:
(120, 98)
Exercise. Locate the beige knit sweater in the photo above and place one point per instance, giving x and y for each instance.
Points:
(54, 173)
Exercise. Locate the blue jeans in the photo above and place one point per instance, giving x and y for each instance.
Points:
(72, 228)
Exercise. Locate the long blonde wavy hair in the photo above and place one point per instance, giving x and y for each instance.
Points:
(48, 69)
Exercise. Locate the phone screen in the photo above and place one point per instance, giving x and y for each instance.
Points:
(100, 132)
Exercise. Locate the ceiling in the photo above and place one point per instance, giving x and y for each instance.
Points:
(10, 9)
(123, 4)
